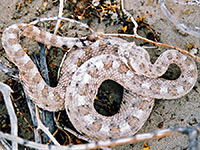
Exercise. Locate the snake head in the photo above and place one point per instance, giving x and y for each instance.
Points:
(137, 57)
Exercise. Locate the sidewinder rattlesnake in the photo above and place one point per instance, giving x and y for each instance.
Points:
(87, 66)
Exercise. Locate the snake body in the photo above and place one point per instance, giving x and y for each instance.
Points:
(89, 64)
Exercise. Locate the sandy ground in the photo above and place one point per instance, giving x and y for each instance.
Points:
(179, 112)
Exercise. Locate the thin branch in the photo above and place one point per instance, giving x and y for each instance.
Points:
(4, 145)
(155, 43)
(192, 132)
(70, 131)
(10, 72)
(61, 18)
(43, 128)
(6, 91)
(59, 15)
(130, 16)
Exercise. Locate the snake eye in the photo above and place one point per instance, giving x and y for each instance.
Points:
(126, 54)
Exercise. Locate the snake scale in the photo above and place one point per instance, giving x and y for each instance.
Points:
(86, 66)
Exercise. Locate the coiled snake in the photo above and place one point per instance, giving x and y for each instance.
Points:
(87, 66)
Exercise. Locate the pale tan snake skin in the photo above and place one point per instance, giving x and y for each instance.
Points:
(87, 66)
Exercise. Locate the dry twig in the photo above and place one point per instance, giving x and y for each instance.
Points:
(6, 91)
(191, 132)
(43, 128)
